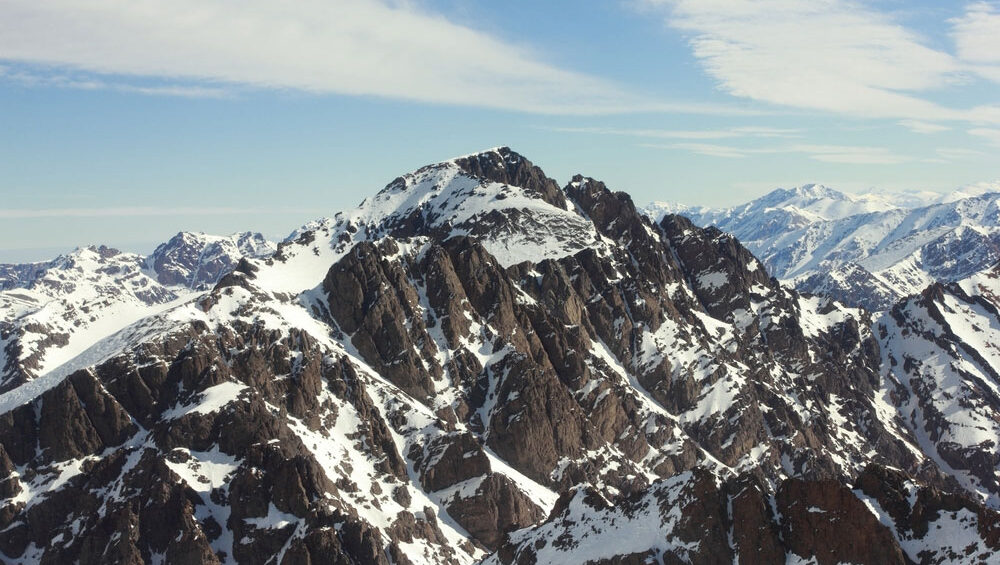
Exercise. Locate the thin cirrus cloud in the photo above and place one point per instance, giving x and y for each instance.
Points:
(835, 55)
(135, 211)
(977, 38)
(380, 48)
(841, 154)
(725, 133)
(949, 154)
(64, 80)
(920, 126)
(991, 135)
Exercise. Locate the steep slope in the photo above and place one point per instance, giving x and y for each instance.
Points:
(693, 518)
(943, 368)
(475, 361)
(77, 300)
(865, 250)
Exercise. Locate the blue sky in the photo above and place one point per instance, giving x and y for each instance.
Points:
(124, 122)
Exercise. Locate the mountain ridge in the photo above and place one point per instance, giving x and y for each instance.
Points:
(462, 369)
(869, 255)
(58, 309)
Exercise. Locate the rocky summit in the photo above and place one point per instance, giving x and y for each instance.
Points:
(478, 365)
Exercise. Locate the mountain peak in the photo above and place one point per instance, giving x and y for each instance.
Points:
(506, 166)
(198, 260)
(91, 257)
(462, 191)
(818, 191)
(810, 192)
(459, 371)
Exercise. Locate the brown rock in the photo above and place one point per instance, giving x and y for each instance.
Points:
(373, 300)
(447, 460)
(824, 520)
(496, 507)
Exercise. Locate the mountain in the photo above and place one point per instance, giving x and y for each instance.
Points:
(50, 312)
(198, 260)
(76, 300)
(866, 250)
(798, 206)
(18, 275)
(476, 365)
(942, 355)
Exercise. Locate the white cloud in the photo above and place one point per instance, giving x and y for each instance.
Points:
(727, 133)
(708, 149)
(64, 80)
(949, 154)
(977, 38)
(919, 126)
(850, 154)
(129, 211)
(977, 33)
(831, 55)
(355, 47)
(982, 187)
(843, 154)
(991, 135)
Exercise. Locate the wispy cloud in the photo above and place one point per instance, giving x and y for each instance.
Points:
(854, 155)
(138, 211)
(727, 133)
(991, 135)
(977, 38)
(843, 154)
(74, 81)
(707, 149)
(949, 154)
(977, 33)
(920, 126)
(832, 55)
(384, 48)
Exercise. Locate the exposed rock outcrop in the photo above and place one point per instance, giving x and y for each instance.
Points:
(479, 365)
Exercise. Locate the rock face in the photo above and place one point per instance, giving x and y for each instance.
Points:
(970, 532)
(479, 365)
(20, 275)
(691, 519)
(825, 521)
(942, 370)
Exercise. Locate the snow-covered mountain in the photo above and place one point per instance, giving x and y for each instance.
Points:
(198, 260)
(942, 354)
(478, 365)
(78, 299)
(51, 312)
(868, 250)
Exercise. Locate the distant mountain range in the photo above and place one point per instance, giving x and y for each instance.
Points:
(52, 311)
(480, 365)
(866, 250)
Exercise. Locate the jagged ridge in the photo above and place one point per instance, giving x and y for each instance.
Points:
(423, 380)
(867, 250)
